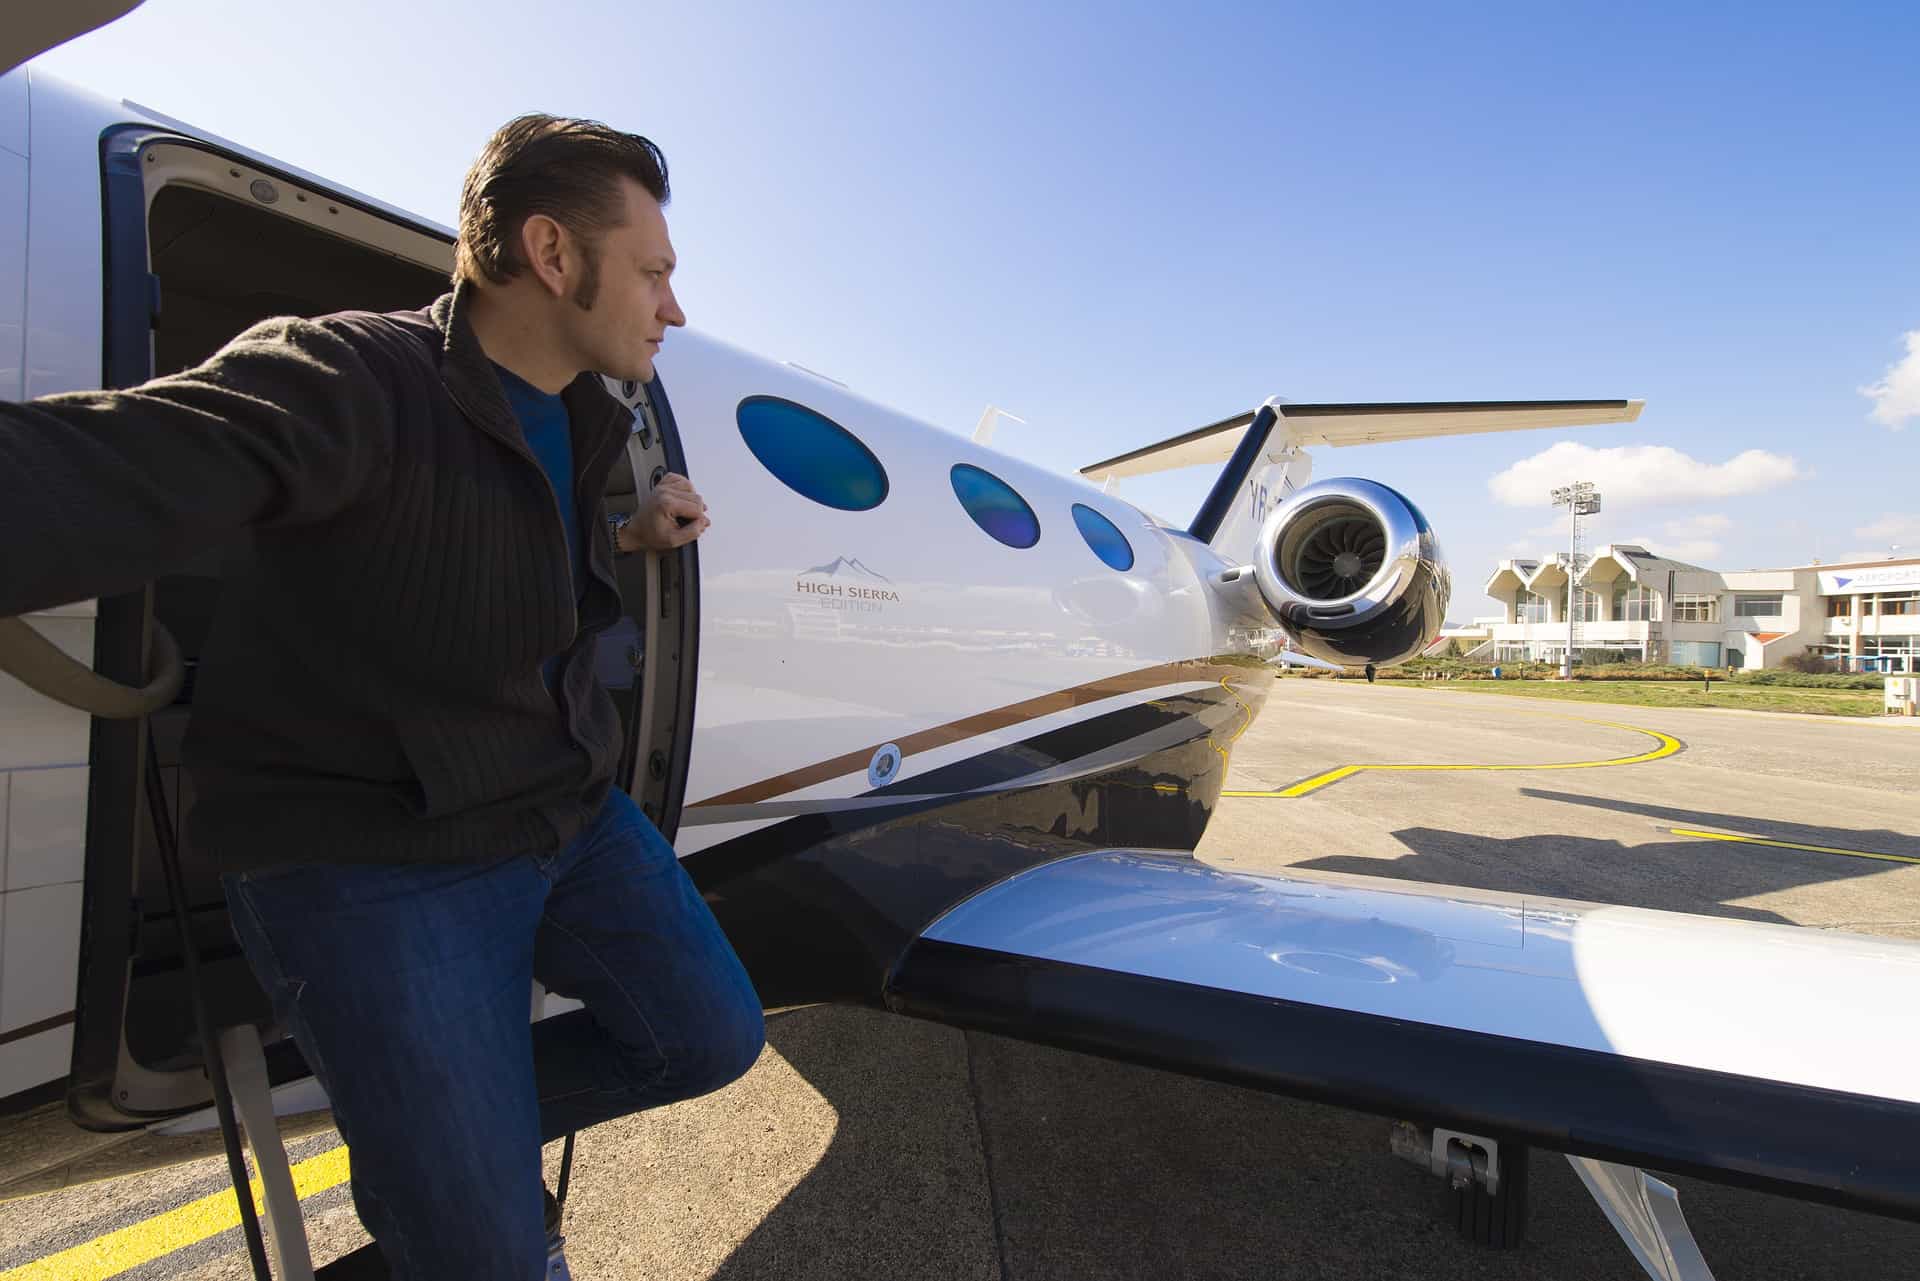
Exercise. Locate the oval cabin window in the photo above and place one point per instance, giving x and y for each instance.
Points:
(1104, 537)
(995, 507)
(811, 454)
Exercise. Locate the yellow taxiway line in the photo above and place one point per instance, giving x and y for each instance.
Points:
(1246, 720)
(127, 1248)
(1779, 845)
(130, 1247)
(1667, 745)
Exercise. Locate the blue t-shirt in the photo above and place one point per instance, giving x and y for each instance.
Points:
(549, 432)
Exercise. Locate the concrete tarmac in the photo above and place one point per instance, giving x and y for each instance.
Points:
(868, 1146)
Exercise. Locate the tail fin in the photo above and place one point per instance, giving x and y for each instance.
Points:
(1265, 450)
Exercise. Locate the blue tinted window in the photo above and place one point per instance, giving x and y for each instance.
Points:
(995, 507)
(811, 454)
(1108, 543)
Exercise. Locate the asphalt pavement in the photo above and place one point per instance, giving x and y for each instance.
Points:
(869, 1146)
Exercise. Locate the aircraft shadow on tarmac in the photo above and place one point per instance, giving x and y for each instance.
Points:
(1683, 874)
(949, 1154)
(1879, 840)
(985, 1157)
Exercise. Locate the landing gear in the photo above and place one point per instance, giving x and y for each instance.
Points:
(1370, 671)
(1646, 1213)
(1497, 1220)
(1486, 1181)
(1487, 1194)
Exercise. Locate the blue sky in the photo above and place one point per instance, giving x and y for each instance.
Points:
(1123, 221)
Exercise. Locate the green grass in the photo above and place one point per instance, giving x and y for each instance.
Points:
(1756, 698)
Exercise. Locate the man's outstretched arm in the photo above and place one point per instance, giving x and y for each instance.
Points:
(103, 491)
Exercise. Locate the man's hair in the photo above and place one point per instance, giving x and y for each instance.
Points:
(568, 170)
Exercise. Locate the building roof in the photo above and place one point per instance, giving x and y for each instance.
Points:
(1639, 563)
(1643, 561)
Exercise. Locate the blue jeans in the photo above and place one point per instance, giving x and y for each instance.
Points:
(407, 989)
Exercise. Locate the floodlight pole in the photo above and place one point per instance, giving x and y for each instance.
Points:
(1580, 499)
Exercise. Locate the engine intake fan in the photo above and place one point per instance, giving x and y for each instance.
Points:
(1352, 571)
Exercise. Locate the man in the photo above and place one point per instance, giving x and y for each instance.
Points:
(401, 754)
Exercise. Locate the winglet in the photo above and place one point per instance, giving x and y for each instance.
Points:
(989, 419)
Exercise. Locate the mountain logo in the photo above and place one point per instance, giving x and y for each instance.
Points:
(846, 584)
(850, 566)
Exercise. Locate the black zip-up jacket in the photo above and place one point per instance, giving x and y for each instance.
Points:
(371, 688)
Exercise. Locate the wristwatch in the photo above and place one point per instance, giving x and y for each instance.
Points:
(616, 522)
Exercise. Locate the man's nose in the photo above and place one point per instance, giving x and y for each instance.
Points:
(670, 312)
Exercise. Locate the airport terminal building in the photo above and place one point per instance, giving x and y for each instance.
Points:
(1631, 605)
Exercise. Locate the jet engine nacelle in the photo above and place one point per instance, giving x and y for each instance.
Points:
(1352, 571)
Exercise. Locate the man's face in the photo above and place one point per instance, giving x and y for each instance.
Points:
(623, 303)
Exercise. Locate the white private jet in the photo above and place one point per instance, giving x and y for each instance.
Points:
(933, 729)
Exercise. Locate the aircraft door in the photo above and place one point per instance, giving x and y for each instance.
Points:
(187, 264)
(648, 659)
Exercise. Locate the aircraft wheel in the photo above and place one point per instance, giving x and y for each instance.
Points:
(1497, 1222)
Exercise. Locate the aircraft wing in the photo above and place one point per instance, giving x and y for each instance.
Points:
(31, 28)
(1770, 1056)
(1364, 424)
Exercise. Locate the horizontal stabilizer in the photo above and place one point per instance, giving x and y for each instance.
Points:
(1364, 424)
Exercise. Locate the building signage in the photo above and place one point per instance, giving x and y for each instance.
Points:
(1884, 578)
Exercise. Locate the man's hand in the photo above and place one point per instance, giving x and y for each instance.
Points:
(673, 515)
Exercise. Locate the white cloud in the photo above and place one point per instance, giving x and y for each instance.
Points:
(1633, 474)
(1535, 543)
(1698, 526)
(1896, 397)
(1892, 530)
(1690, 538)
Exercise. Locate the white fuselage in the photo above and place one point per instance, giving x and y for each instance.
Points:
(807, 655)
(901, 702)
(824, 634)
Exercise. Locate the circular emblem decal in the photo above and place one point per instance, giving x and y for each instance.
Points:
(885, 766)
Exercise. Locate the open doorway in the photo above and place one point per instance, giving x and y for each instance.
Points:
(202, 243)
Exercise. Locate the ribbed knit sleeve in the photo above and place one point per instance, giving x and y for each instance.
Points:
(103, 491)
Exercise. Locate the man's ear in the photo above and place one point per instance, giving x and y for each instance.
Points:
(543, 242)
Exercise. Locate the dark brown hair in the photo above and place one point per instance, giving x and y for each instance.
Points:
(568, 170)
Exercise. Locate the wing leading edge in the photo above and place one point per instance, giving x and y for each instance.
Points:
(1766, 1056)
(1363, 424)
